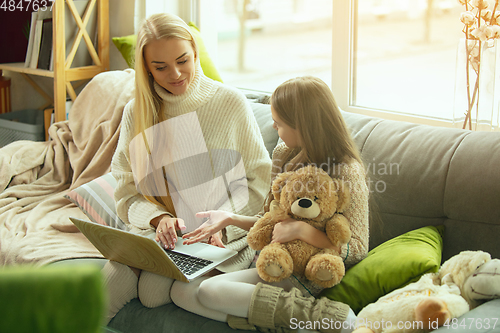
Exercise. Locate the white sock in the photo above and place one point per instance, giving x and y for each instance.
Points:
(350, 322)
(121, 284)
(154, 289)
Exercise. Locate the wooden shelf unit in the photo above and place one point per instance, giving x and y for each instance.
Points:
(63, 74)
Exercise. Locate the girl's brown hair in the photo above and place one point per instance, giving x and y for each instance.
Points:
(307, 105)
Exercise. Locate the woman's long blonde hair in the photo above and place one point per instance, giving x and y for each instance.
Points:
(148, 104)
(307, 104)
(148, 108)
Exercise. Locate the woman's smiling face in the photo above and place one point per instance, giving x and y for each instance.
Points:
(172, 63)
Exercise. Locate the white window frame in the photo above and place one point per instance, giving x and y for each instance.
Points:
(343, 69)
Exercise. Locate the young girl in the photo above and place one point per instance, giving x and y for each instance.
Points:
(310, 124)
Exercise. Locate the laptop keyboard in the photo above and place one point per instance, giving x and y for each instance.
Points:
(188, 264)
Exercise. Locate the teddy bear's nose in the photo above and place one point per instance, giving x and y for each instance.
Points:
(305, 203)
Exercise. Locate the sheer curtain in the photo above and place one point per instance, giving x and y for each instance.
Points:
(185, 9)
(139, 13)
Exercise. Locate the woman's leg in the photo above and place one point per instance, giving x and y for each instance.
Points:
(154, 289)
(121, 284)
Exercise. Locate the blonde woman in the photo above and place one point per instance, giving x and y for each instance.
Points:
(170, 85)
(310, 124)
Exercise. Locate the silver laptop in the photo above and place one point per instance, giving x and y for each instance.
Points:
(184, 263)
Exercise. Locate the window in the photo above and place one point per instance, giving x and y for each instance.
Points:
(281, 39)
(396, 58)
(389, 58)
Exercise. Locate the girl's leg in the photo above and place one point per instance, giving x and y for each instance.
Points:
(231, 293)
(272, 307)
(242, 294)
(216, 297)
(184, 295)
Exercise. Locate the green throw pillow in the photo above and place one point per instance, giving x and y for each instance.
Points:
(126, 46)
(205, 61)
(390, 266)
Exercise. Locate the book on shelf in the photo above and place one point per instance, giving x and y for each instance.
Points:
(42, 15)
(30, 39)
(40, 51)
(36, 45)
(44, 57)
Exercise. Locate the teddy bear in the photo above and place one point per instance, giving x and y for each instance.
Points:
(307, 194)
(482, 285)
(436, 298)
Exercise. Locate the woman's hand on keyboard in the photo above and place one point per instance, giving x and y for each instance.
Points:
(216, 221)
(166, 230)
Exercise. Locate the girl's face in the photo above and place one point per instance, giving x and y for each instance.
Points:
(172, 63)
(289, 135)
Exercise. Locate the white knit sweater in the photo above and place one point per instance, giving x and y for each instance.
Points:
(227, 122)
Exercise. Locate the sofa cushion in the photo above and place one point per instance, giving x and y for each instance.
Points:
(483, 319)
(389, 266)
(126, 46)
(96, 200)
(265, 121)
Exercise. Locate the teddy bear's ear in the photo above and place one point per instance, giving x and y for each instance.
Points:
(344, 195)
(280, 182)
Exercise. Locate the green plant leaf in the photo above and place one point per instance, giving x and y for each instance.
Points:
(26, 29)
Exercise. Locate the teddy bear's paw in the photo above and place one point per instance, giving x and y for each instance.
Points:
(324, 275)
(325, 270)
(274, 270)
(274, 263)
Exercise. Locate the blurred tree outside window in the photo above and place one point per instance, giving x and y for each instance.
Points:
(403, 61)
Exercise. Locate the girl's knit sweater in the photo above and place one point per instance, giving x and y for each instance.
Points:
(354, 175)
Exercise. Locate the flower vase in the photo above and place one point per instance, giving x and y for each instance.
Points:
(477, 85)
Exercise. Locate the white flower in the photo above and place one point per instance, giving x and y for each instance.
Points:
(486, 15)
(468, 18)
(494, 31)
(481, 33)
(480, 4)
